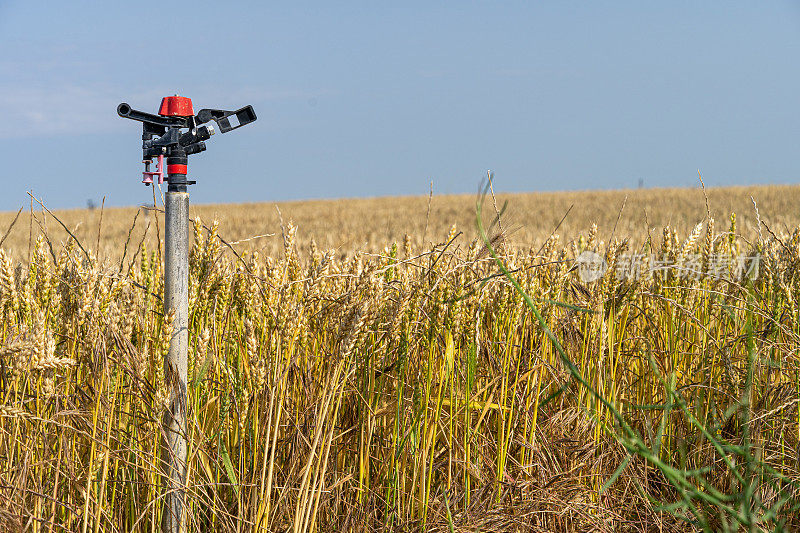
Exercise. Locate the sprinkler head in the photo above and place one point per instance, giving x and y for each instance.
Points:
(176, 133)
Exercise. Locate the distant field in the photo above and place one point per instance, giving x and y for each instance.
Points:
(370, 224)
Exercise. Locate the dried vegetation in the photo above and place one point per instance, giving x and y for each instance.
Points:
(411, 387)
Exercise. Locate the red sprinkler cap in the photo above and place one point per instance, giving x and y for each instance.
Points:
(176, 106)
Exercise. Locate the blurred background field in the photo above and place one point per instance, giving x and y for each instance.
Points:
(370, 224)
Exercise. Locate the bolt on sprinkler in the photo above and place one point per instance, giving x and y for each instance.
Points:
(164, 139)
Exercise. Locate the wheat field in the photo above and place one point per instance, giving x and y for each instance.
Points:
(370, 224)
(412, 364)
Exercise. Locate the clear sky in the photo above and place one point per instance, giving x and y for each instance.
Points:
(379, 98)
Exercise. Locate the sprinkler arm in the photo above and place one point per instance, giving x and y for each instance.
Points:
(245, 115)
(125, 111)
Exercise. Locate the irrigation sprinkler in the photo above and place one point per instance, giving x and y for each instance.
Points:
(170, 138)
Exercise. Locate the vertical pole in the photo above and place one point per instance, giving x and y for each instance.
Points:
(176, 299)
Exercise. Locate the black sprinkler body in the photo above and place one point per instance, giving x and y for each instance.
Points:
(164, 138)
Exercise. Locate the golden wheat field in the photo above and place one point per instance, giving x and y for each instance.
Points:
(413, 364)
(370, 224)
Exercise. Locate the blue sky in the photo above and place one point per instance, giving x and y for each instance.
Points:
(379, 98)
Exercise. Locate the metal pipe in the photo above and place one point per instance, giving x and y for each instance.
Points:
(176, 300)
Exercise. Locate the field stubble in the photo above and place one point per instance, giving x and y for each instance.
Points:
(368, 381)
